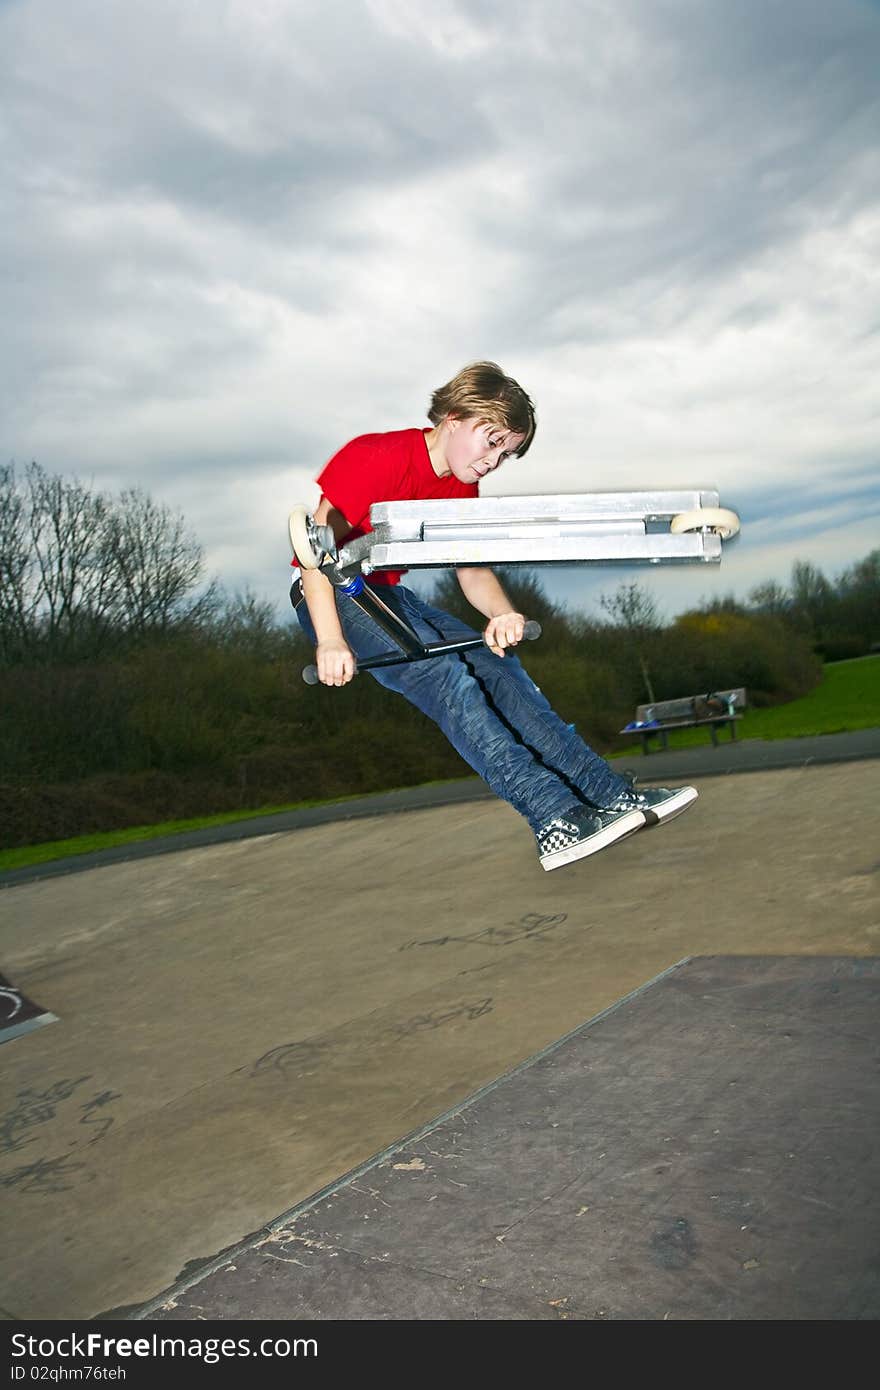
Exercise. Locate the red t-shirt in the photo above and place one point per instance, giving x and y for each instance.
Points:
(392, 467)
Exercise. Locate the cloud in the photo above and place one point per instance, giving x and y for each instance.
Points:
(244, 232)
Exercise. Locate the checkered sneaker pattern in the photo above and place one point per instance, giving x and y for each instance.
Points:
(584, 831)
(658, 804)
(559, 834)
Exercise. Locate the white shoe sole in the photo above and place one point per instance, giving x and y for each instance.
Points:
(657, 815)
(626, 825)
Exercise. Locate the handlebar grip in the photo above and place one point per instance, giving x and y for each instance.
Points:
(531, 631)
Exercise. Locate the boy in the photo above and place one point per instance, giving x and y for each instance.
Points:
(482, 699)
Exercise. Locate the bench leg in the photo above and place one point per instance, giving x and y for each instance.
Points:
(714, 733)
(733, 730)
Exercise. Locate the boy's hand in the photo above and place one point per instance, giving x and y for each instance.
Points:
(503, 631)
(335, 662)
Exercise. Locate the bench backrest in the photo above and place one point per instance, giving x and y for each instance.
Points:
(693, 706)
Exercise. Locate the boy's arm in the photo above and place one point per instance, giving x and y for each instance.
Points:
(482, 589)
(333, 656)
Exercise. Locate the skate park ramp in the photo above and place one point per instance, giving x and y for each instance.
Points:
(636, 1170)
(262, 1046)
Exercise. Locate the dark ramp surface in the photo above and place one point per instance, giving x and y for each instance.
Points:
(706, 1149)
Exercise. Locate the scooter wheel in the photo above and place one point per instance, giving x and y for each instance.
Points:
(298, 528)
(718, 519)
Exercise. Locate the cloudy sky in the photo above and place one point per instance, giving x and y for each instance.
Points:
(239, 232)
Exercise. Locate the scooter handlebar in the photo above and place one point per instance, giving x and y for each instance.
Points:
(531, 632)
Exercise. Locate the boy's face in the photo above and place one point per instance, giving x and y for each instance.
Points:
(474, 447)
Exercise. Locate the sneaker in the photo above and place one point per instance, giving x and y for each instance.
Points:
(658, 804)
(584, 831)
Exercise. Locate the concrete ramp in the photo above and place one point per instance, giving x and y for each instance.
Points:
(707, 1148)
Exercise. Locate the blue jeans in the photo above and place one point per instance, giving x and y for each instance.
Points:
(488, 707)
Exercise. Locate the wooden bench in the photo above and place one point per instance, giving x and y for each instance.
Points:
(714, 710)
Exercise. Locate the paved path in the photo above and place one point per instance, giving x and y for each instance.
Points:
(686, 764)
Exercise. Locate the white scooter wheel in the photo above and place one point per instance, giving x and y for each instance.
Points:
(725, 523)
(298, 527)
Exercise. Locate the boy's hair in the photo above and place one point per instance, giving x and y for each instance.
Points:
(481, 391)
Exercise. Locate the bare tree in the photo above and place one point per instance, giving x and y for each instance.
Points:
(157, 564)
(632, 609)
(17, 599)
(55, 590)
(858, 592)
(80, 569)
(771, 598)
(250, 624)
(73, 579)
(812, 595)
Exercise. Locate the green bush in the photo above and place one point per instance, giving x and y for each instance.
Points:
(212, 721)
(719, 650)
(841, 647)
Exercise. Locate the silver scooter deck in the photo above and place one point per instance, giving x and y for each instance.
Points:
(599, 528)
